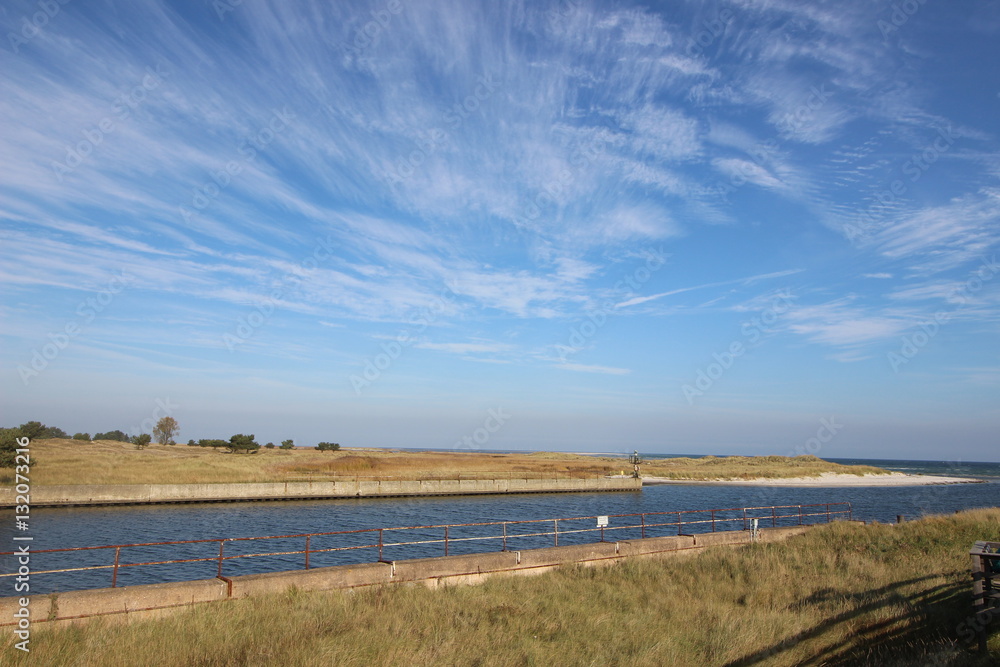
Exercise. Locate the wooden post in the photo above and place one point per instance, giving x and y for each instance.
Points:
(979, 593)
(985, 596)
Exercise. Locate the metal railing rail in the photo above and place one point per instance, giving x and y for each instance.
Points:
(644, 522)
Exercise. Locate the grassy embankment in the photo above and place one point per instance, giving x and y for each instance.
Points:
(60, 461)
(742, 467)
(840, 594)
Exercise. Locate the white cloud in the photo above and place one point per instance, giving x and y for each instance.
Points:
(839, 323)
(943, 237)
(743, 170)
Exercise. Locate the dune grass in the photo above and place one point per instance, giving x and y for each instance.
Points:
(749, 467)
(61, 461)
(842, 594)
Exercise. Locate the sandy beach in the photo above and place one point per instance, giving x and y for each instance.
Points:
(828, 479)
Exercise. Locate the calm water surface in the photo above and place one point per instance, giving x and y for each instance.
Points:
(77, 527)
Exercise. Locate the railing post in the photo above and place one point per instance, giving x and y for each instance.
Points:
(307, 550)
(979, 595)
(222, 544)
(555, 532)
(800, 515)
(774, 518)
(713, 521)
(828, 513)
(114, 576)
(380, 545)
(744, 518)
(446, 540)
(505, 536)
(642, 519)
(680, 522)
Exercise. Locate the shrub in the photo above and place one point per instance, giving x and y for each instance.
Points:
(115, 435)
(8, 445)
(287, 444)
(269, 445)
(82, 436)
(140, 441)
(39, 431)
(328, 446)
(243, 443)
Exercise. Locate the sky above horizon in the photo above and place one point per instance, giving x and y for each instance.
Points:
(733, 227)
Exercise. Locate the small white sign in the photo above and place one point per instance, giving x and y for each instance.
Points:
(602, 521)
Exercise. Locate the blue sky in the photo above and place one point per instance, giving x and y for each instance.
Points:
(739, 227)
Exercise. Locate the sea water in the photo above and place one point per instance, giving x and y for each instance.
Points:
(98, 526)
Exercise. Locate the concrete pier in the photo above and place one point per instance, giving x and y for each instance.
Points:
(136, 602)
(128, 494)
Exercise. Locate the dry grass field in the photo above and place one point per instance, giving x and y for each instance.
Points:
(63, 461)
(841, 594)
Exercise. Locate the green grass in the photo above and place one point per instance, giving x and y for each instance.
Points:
(842, 594)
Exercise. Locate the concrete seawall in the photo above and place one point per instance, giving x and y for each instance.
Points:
(126, 494)
(135, 602)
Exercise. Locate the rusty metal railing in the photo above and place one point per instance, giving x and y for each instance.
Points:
(985, 588)
(503, 533)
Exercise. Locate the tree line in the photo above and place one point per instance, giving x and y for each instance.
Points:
(164, 432)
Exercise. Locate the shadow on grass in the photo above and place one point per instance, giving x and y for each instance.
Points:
(927, 635)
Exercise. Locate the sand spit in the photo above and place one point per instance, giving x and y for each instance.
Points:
(827, 479)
